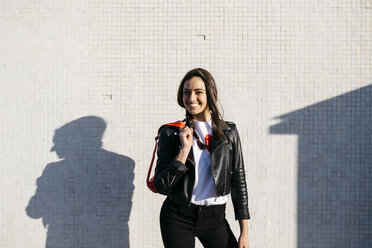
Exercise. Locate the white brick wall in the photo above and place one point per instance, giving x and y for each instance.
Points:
(306, 62)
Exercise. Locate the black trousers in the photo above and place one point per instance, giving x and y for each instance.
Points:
(181, 224)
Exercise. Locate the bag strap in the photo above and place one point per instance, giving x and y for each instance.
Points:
(173, 124)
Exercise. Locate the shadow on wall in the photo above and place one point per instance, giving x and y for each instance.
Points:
(334, 197)
(85, 199)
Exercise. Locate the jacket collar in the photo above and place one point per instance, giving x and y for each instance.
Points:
(216, 142)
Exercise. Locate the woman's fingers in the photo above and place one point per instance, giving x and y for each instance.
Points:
(186, 136)
(187, 132)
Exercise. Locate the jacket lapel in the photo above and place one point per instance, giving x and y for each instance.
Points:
(216, 142)
(190, 157)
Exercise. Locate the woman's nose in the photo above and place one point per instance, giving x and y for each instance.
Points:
(192, 96)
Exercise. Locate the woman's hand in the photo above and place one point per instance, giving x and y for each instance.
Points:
(186, 138)
(243, 241)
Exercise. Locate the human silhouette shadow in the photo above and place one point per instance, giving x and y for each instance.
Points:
(85, 199)
(334, 193)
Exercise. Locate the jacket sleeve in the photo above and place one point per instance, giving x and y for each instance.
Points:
(239, 194)
(168, 170)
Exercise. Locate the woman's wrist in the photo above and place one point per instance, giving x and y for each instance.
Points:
(243, 226)
(183, 154)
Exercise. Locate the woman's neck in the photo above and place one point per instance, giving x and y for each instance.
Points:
(204, 117)
(206, 121)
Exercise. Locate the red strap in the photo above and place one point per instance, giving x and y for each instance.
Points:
(208, 142)
(174, 124)
(150, 182)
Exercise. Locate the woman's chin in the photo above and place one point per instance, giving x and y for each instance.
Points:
(194, 112)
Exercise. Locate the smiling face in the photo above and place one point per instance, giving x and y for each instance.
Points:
(195, 99)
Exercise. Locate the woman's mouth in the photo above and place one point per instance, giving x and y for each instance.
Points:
(193, 105)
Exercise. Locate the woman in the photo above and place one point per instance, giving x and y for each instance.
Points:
(198, 167)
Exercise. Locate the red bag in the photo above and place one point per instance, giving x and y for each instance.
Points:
(150, 181)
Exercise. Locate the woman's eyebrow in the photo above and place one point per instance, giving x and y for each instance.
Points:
(194, 89)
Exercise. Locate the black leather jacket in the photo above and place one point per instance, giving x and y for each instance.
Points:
(176, 180)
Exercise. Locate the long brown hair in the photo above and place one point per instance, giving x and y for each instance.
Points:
(212, 99)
